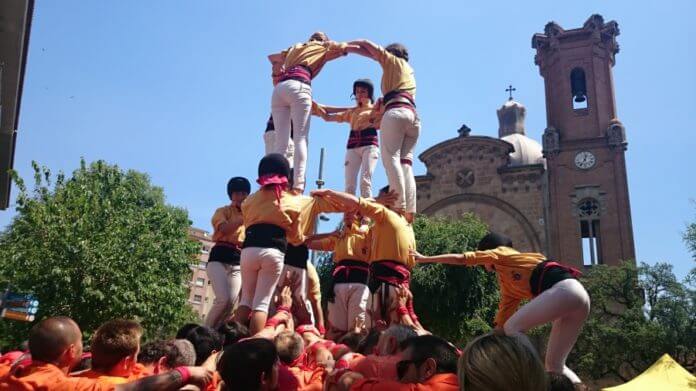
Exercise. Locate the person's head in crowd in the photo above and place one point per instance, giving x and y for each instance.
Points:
(424, 357)
(318, 36)
(290, 346)
(398, 50)
(559, 382)
(352, 340)
(391, 339)
(491, 241)
(495, 362)
(183, 330)
(57, 341)
(232, 332)
(238, 188)
(206, 341)
(249, 365)
(368, 345)
(115, 346)
(162, 355)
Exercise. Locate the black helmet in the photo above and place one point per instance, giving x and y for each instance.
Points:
(274, 163)
(366, 83)
(494, 240)
(238, 183)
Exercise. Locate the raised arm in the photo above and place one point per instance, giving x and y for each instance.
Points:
(172, 380)
(321, 242)
(448, 259)
(343, 201)
(367, 48)
(334, 109)
(276, 58)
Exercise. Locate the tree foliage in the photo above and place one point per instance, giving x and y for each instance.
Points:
(99, 245)
(638, 314)
(454, 302)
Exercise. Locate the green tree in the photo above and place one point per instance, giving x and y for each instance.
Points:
(454, 302)
(638, 314)
(99, 245)
(690, 239)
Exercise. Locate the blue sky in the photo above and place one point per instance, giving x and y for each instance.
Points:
(181, 89)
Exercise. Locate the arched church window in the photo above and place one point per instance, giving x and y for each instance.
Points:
(578, 88)
(588, 212)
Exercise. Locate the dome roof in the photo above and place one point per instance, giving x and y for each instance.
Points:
(527, 151)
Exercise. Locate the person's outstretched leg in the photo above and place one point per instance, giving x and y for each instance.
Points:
(407, 148)
(391, 140)
(250, 264)
(280, 111)
(271, 263)
(352, 166)
(370, 156)
(217, 274)
(300, 112)
(565, 332)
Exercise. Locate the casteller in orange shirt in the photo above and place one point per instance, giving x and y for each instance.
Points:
(438, 382)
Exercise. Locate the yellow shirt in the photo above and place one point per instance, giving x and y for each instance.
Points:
(228, 214)
(397, 74)
(313, 286)
(313, 54)
(513, 270)
(296, 214)
(392, 236)
(353, 244)
(360, 117)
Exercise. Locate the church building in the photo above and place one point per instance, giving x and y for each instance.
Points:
(566, 197)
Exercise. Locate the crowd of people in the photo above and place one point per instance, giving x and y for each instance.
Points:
(267, 328)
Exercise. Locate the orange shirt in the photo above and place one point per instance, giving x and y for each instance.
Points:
(439, 382)
(138, 372)
(48, 377)
(4, 369)
(397, 74)
(380, 367)
(313, 54)
(228, 214)
(96, 375)
(353, 244)
(392, 235)
(309, 380)
(513, 270)
(213, 385)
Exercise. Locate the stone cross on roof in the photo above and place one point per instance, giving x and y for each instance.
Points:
(510, 90)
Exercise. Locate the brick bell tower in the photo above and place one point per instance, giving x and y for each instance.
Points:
(588, 212)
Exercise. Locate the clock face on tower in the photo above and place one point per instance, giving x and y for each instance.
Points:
(585, 160)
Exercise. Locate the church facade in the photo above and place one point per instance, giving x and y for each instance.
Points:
(568, 198)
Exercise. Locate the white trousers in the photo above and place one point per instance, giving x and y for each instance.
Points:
(361, 160)
(260, 269)
(292, 101)
(567, 305)
(350, 302)
(399, 132)
(227, 283)
(269, 146)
